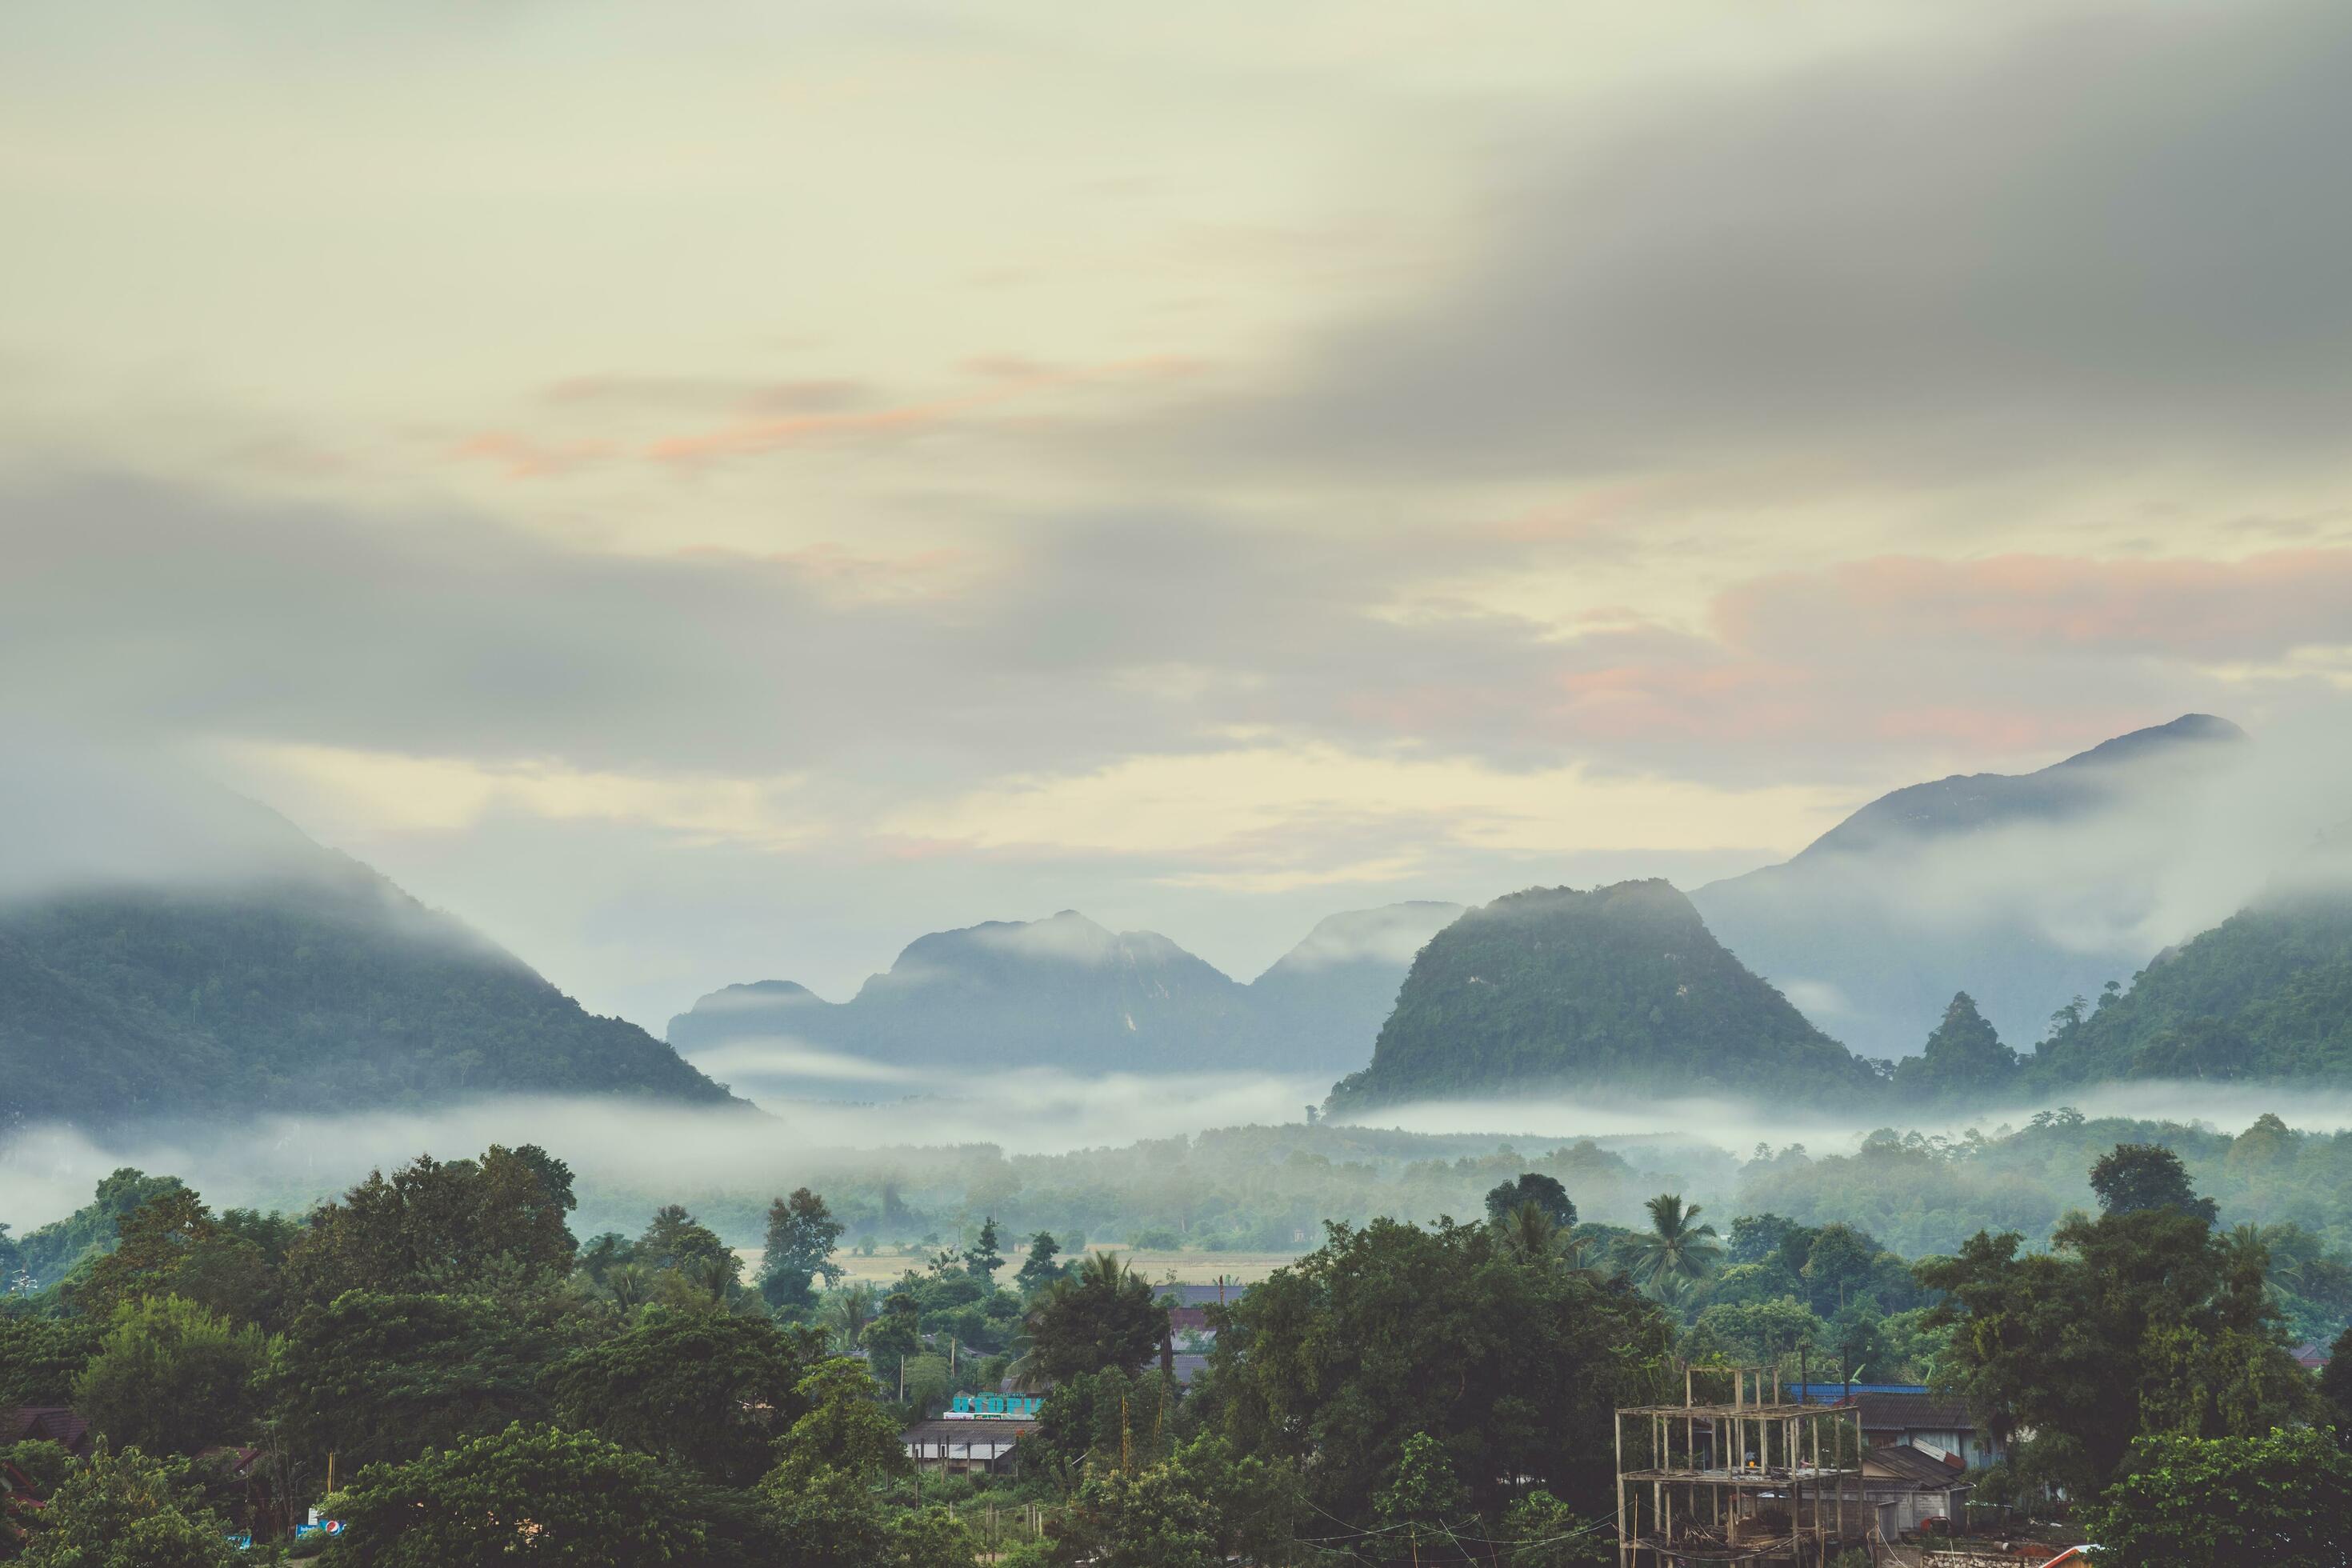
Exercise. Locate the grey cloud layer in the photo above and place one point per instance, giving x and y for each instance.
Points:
(152, 611)
(2126, 232)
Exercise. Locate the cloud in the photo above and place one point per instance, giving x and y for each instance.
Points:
(2260, 607)
(2105, 235)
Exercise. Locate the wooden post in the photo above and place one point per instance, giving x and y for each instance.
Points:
(1617, 1432)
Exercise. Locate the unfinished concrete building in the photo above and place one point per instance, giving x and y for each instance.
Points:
(1759, 1479)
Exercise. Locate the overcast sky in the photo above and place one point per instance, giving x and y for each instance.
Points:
(711, 494)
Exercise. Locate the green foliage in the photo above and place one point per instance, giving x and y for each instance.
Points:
(435, 1225)
(1423, 1489)
(1105, 1317)
(2133, 1178)
(128, 1510)
(1963, 1063)
(2278, 1498)
(568, 1500)
(328, 986)
(1506, 1198)
(40, 1357)
(172, 1246)
(1678, 1246)
(2135, 1324)
(54, 1248)
(2264, 996)
(1514, 1364)
(1205, 1505)
(376, 1377)
(706, 1391)
(43, 1463)
(982, 1257)
(170, 1377)
(843, 1427)
(1545, 1532)
(1038, 1269)
(1623, 986)
(801, 1235)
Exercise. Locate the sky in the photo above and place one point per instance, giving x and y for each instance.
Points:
(712, 494)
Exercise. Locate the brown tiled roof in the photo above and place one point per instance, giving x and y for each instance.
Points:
(53, 1422)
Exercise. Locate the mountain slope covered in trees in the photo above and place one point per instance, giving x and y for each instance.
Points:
(2266, 995)
(270, 974)
(1621, 987)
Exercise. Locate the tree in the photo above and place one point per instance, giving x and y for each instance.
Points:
(704, 1389)
(567, 1500)
(1393, 1330)
(1534, 1187)
(171, 1245)
(982, 1257)
(1106, 1316)
(1755, 1238)
(1677, 1244)
(377, 1377)
(2137, 1177)
(2140, 1322)
(433, 1226)
(802, 1236)
(128, 1509)
(40, 1358)
(1964, 1059)
(1422, 1491)
(1204, 1507)
(170, 1377)
(2279, 1499)
(1546, 1533)
(1039, 1269)
(846, 1313)
(2335, 1386)
(843, 1428)
(1530, 1230)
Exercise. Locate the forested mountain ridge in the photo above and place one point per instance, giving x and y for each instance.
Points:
(1873, 927)
(1069, 995)
(309, 982)
(2266, 995)
(1621, 988)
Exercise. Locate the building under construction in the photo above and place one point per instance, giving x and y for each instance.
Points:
(1755, 1480)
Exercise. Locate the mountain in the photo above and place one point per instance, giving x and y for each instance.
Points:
(1062, 993)
(1068, 995)
(1622, 987)
(2266, 995)
(1320, 1005)
(1989, 883)
(210, 959)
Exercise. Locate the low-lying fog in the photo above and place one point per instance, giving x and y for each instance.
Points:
(622, 1151)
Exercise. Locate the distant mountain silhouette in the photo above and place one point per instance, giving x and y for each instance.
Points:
(1850, 931)
(1622, 987)
(168, 948)
(1065, 994)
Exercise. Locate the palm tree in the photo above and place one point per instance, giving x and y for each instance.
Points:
(1530, 1232)
(1678, 1247)
(629, 1284)
(1104, 1271)
(846, 1313)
